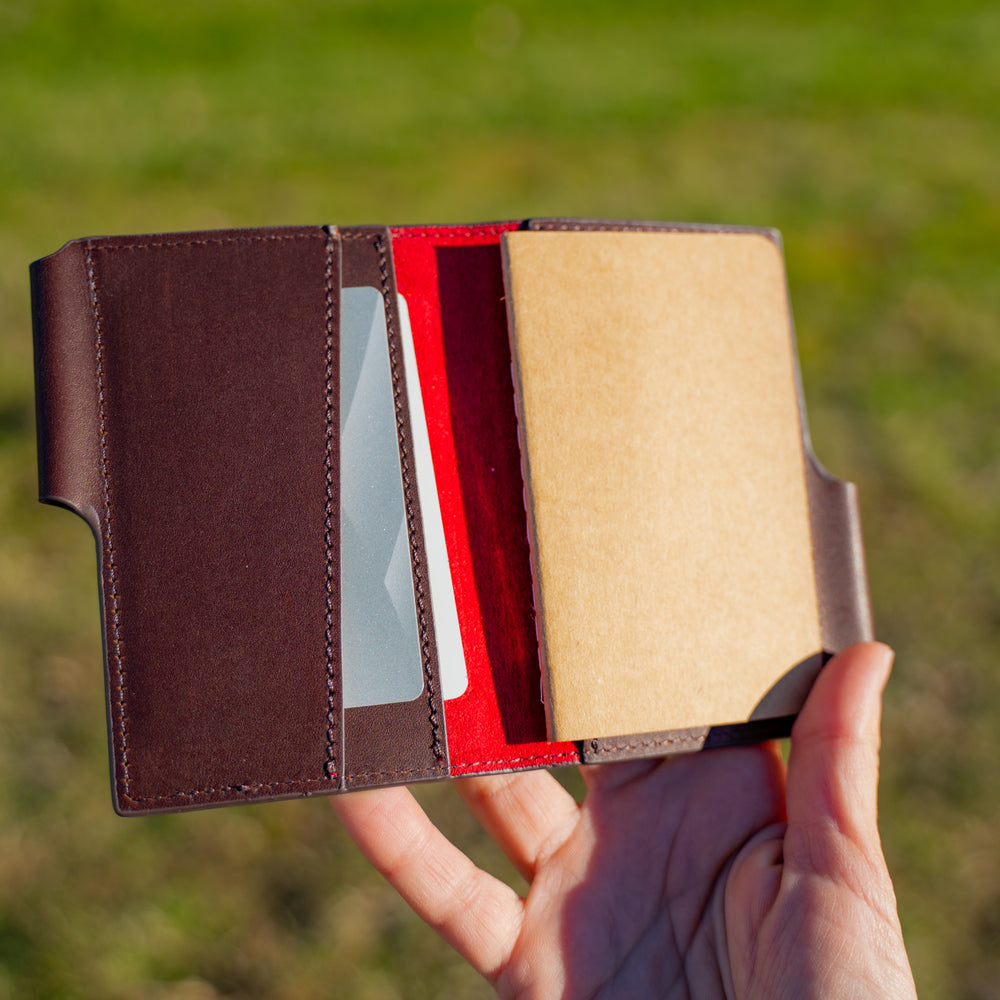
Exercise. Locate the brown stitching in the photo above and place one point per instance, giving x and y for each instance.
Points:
(623, 227)
(418, 573)
(305, 784)
(247, 790)
(414, 772)
(109, 540)
(332, 718)
(208, 241)
(280, 786)
(595, 748)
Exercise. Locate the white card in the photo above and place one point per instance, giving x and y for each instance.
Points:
(451, 657)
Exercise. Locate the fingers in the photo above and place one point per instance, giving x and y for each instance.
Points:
(476, 913)
(833, 766)
(529, 815)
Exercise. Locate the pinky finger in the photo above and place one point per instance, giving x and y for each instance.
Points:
(476, 913)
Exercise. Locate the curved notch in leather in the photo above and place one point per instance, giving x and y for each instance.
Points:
(65, 397)
(841, 580)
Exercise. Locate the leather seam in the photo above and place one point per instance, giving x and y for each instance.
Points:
(460, 239)
(209, 241)
(411, 772)
(647, 744)
(332, 720)
(112, 575)
(408, 487)
(447, 232)
(251, 788)
(612, 227)
(248, 789)
(566, 756)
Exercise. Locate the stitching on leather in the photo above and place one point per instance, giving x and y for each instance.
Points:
(318, 783)
(418, 571)
(208, 241)
(332, 713)
(109, 535)
(248, 789)
(462, 239)
(304, 784)
(666, 741)
(542, 758)
(624, 227)
(448, 232)
(412, 772)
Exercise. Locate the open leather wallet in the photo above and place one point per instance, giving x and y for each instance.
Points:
(379, 505)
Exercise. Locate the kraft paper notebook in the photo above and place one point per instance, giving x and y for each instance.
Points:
(380, 505)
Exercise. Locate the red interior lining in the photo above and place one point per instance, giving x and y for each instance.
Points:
(452, 280)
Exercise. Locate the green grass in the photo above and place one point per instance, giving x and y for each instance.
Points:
(870, 138)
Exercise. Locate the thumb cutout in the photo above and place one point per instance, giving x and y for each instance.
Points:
(833, 765)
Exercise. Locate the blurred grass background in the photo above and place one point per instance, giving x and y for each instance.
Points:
(868, 134)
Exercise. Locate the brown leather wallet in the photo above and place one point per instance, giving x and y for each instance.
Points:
(340, 547)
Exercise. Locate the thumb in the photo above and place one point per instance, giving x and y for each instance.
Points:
(833, 764)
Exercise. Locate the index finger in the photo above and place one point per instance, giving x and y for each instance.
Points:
(476, 913)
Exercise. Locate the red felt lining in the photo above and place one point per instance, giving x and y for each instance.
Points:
(452, 280)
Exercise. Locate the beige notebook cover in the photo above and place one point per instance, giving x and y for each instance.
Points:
(665, 476)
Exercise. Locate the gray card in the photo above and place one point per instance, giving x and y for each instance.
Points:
(380, 650)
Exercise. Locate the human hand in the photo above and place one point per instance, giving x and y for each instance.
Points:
(716, 874)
